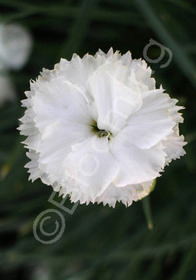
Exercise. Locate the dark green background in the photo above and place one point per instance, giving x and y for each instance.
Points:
(101, 242)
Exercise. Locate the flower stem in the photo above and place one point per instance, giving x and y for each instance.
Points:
(147, 212)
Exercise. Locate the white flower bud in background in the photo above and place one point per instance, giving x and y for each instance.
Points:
(15, 48)
(99, 130)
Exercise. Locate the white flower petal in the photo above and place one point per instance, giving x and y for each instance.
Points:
(126, 194)
(141, 73)
(152, 122)
(136, 165)
(115, 102)
(173, 146)
(92, 169)
(62, 101)
(126, 58)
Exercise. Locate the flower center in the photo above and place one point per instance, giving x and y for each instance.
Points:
(100, 132)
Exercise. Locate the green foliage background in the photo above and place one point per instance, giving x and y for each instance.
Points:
(102, 243)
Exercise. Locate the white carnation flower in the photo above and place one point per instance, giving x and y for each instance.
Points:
(98, 129)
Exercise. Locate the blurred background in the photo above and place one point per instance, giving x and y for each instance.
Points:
(98, 242)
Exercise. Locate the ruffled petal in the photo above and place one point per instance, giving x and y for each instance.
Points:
(91, 166)
(114, 101)
(141, 74)
(126, 194)
(136, 165)
(173, 145)
(152, 122)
